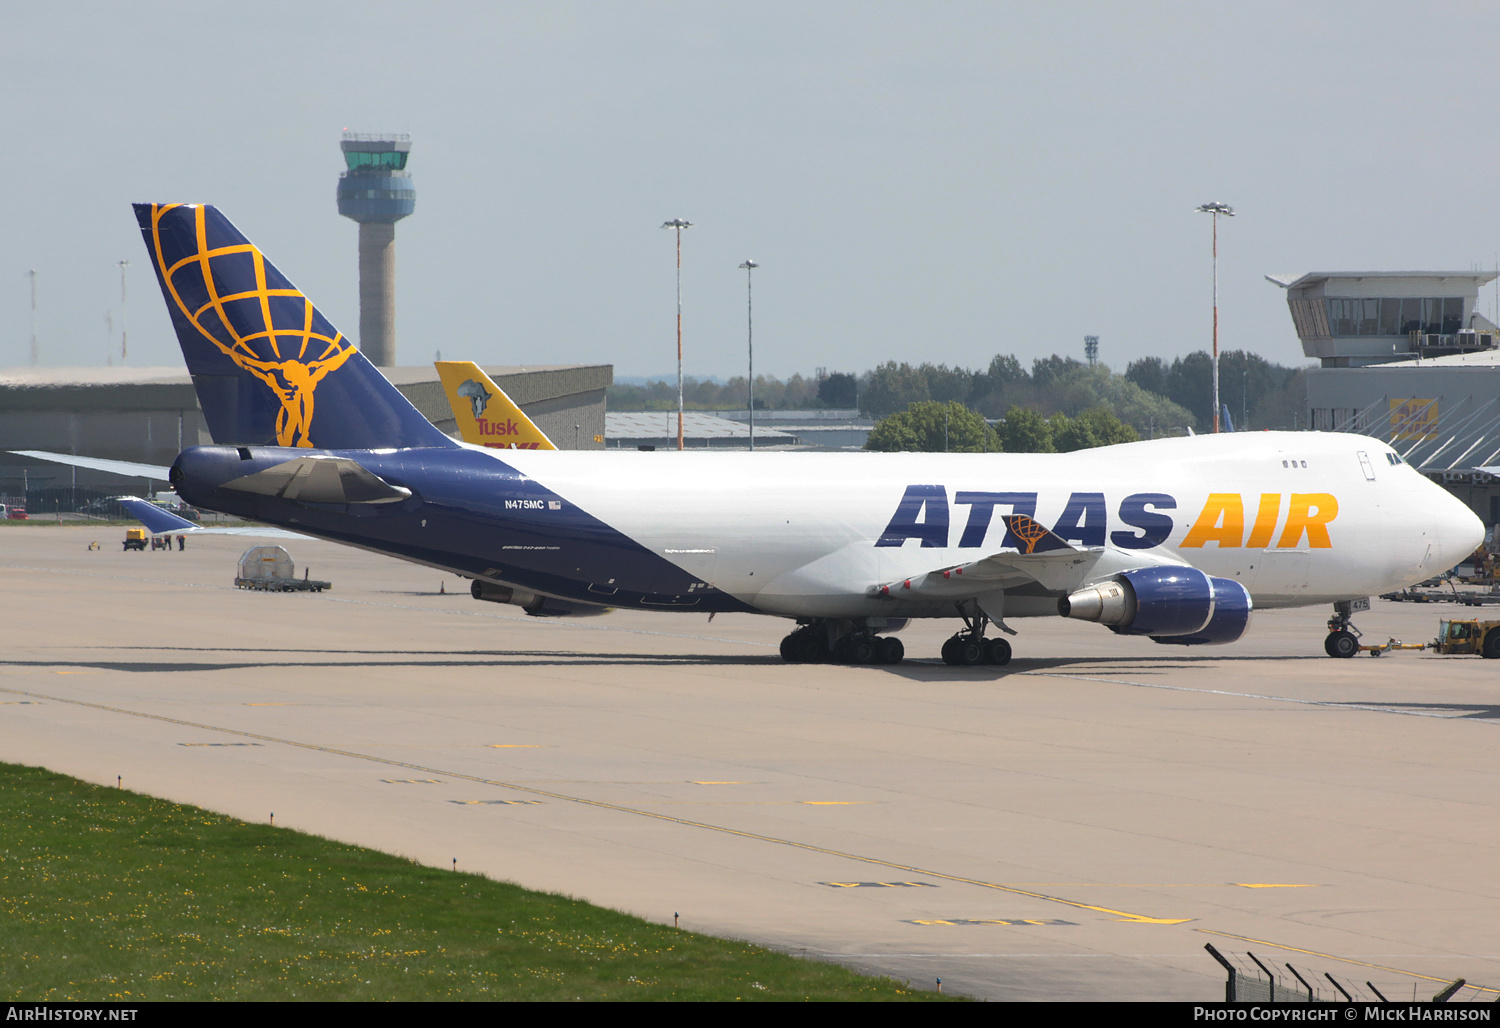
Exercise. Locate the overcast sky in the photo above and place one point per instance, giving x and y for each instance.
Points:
(919, 181)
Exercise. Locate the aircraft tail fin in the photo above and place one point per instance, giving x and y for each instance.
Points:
(485, 415)
(268, 367)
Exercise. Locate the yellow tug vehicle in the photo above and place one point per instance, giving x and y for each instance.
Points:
(1455, 638)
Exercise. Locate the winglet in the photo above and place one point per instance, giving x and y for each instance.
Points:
(1035, 537)
(485, 415)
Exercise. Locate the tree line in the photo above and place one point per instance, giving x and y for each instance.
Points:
(1058, 404)
(934, 426)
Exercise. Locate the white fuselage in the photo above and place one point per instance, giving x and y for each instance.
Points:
(1296, 517)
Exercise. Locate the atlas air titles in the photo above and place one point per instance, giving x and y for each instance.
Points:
(927, 514)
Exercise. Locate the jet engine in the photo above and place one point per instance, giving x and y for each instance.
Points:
(535, 604)
(1171, 604)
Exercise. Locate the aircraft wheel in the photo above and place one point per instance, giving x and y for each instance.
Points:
(789, 649)
(1491, 647)
(997, 651)
(857, 649)
(801, 647)
(963, 651)
(891, 650)
(949, 656)
(1341, 644)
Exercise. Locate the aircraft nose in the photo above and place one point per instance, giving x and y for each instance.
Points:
(1459, 530)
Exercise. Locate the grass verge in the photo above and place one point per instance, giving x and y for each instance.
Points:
(110, 895)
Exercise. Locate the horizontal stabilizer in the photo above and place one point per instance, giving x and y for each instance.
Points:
(128, 468)
(158, 522)
(320, 480)
(155, 518)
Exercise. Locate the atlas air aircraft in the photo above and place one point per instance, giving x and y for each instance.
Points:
(1175, 539)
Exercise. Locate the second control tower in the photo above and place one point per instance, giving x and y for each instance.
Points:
(377, 192)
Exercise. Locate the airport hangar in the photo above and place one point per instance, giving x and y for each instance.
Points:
(1408, 358)
(149, 415)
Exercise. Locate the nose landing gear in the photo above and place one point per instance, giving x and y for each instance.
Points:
(1343, 637)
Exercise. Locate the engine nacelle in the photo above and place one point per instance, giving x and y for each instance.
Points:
(1171, 604)
(535, 604)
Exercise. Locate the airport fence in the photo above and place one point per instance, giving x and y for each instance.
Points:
(1264, 982)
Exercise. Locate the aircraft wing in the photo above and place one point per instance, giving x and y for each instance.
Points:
(159, 521)
(129, 468)
(1044, 558)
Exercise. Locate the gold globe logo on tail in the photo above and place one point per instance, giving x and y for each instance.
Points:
(268, 331)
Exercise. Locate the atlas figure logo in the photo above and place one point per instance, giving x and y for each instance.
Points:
(924, 514)
(270, 330)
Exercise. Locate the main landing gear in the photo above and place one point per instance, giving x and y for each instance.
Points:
(969, 647)
(840, 642)
(1343, 637)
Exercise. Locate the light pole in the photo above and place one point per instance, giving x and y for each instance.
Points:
(124, 335)
(679, 225)
(750, 267)
(1216, 209)
(32, 273)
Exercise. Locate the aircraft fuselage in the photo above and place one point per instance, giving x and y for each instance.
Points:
(1296, 518)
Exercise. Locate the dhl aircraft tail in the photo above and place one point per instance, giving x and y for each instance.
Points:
(485, 415)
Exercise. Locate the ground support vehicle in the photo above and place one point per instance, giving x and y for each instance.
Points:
(270, 569)
(1417, 594)
(1455, 638)
(1468, 636)
(135, 539)
(293, 585)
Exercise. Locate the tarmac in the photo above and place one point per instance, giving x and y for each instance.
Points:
(1073, 826)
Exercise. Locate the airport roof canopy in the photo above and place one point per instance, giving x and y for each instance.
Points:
(695, 425)
(1306, 278)
(1476, 359)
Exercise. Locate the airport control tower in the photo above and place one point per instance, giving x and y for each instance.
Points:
(377, 192)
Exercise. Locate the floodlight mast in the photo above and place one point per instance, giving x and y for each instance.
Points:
(750, 267)
(679, 224)
(124, 335)
(32, 275)
(1216, 209)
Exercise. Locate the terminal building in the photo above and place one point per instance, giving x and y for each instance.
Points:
(1409, 358)
(1353, 319)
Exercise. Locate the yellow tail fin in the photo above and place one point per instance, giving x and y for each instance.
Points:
(485, 415)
